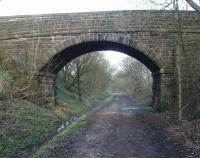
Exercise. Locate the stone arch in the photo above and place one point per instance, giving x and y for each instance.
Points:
(85, 43)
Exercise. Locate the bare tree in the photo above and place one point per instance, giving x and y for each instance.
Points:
(137, 78)
(86, 74)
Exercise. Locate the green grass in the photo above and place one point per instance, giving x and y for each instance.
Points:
(70, 100)
(53, 143)
(21, 124)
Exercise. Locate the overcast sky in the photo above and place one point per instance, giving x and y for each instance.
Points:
(21, 7)
(16, 7)
(25, 7)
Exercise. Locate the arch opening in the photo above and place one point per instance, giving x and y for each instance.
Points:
(66, 55)
(96, 74)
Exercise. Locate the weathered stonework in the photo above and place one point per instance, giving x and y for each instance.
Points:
(45, 43)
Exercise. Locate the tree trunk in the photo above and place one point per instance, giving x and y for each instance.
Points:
(178, 63)
(178, 68)
(78, 83)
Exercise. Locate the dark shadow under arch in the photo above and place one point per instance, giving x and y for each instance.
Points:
(59, 60)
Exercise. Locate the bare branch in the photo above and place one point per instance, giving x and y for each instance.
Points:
(194, 5)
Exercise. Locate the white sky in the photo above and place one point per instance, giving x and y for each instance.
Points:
(25, 7)
(16, 7)
(115, 58)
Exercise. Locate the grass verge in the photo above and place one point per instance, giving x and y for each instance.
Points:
(23, 124)
(55, 141)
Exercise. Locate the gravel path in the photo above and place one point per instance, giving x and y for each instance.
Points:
(120, 130)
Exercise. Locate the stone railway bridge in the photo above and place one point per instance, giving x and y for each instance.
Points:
(45, 43)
